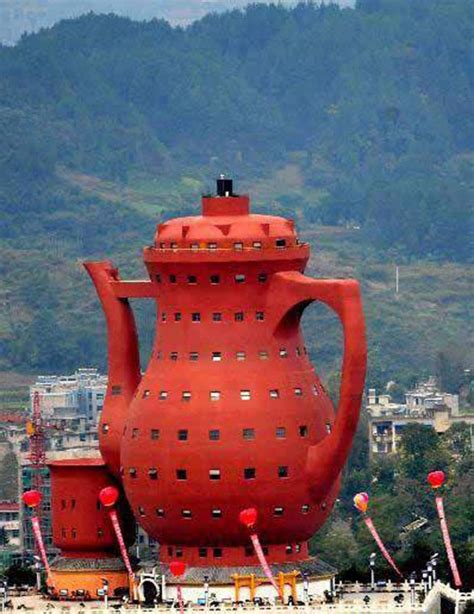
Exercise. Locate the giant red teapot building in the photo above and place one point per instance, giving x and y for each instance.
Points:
(228, 414)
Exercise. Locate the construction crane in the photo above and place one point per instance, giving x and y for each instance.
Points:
(36, 432)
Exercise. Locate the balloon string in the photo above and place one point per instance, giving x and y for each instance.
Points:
(383, 550)
(120, 540)
(447, 541)
(263, 561)
(180, 599)
(39, 542)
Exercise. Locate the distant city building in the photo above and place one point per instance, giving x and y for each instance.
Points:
(73, 401)
(9, 523)
(426, 404)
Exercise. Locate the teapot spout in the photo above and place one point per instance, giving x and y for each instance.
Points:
(123, 361)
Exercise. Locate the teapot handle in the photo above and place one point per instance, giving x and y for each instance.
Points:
(326, 459)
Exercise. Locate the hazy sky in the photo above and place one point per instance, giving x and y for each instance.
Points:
(18, 16)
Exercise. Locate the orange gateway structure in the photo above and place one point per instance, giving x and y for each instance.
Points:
(229, 413)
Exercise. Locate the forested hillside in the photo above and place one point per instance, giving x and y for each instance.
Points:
(360, 120)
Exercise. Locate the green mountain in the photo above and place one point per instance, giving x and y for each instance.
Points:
(357, 122)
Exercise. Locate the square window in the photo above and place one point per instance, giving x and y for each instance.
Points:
(257, 245)
(240, 355)
(212, 246)
(160, 512)
(132, 472)
(183, 435)
(181, 474)
(173, 279)
(298, 351)
(163, 317)
(239, 316)
(170, 550)
(214, 435)
(134, 433)
(158, 355)
(239, 246)
(153, 473)
(146, 394)
(202, 553)
(315, 390)
(305, 508)
(283, 353)
(173, 245)
(155, 434)
(105, 429)
(214, 279)
(289, 549)
(174, 356)
(194, 356)
(245, 395)
(263, 355)
(250, 473)
(194, 246)
(303, 429)
(196, 317)
(262, 277)
(216, 513)
(177, 316)
(216, 356)
(248, 434)
(280, 432)
(186, 395)
(280, 243)
(217, 317)
(116, 390)
(298, 392)
(328, 427)
(217, 553)
(163, 394)
(185, 514)
(259, 316)
(283, 471)
(278, 511)
(297, 547)
(214, 474)
(192, 279)
(158, 279)
(215, 395)
(274, 394)
(239, 278)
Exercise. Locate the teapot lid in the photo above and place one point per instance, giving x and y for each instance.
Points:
(227, 224)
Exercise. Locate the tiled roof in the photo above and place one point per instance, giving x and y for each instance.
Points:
(73, 564)
(313, 567)
(9, 506)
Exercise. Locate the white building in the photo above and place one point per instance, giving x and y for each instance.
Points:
(10, 522)
(68, 398)
(426, 404)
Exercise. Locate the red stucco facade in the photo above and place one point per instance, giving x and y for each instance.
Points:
(229, 412)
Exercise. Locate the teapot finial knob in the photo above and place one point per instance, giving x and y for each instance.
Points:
(224, 186)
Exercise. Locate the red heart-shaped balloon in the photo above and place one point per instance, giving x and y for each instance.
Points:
(32, 498)
(436, 478)
(108, 496)
(177, 568)
(248, 517)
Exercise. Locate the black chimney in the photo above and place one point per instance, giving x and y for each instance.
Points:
(224, 186)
